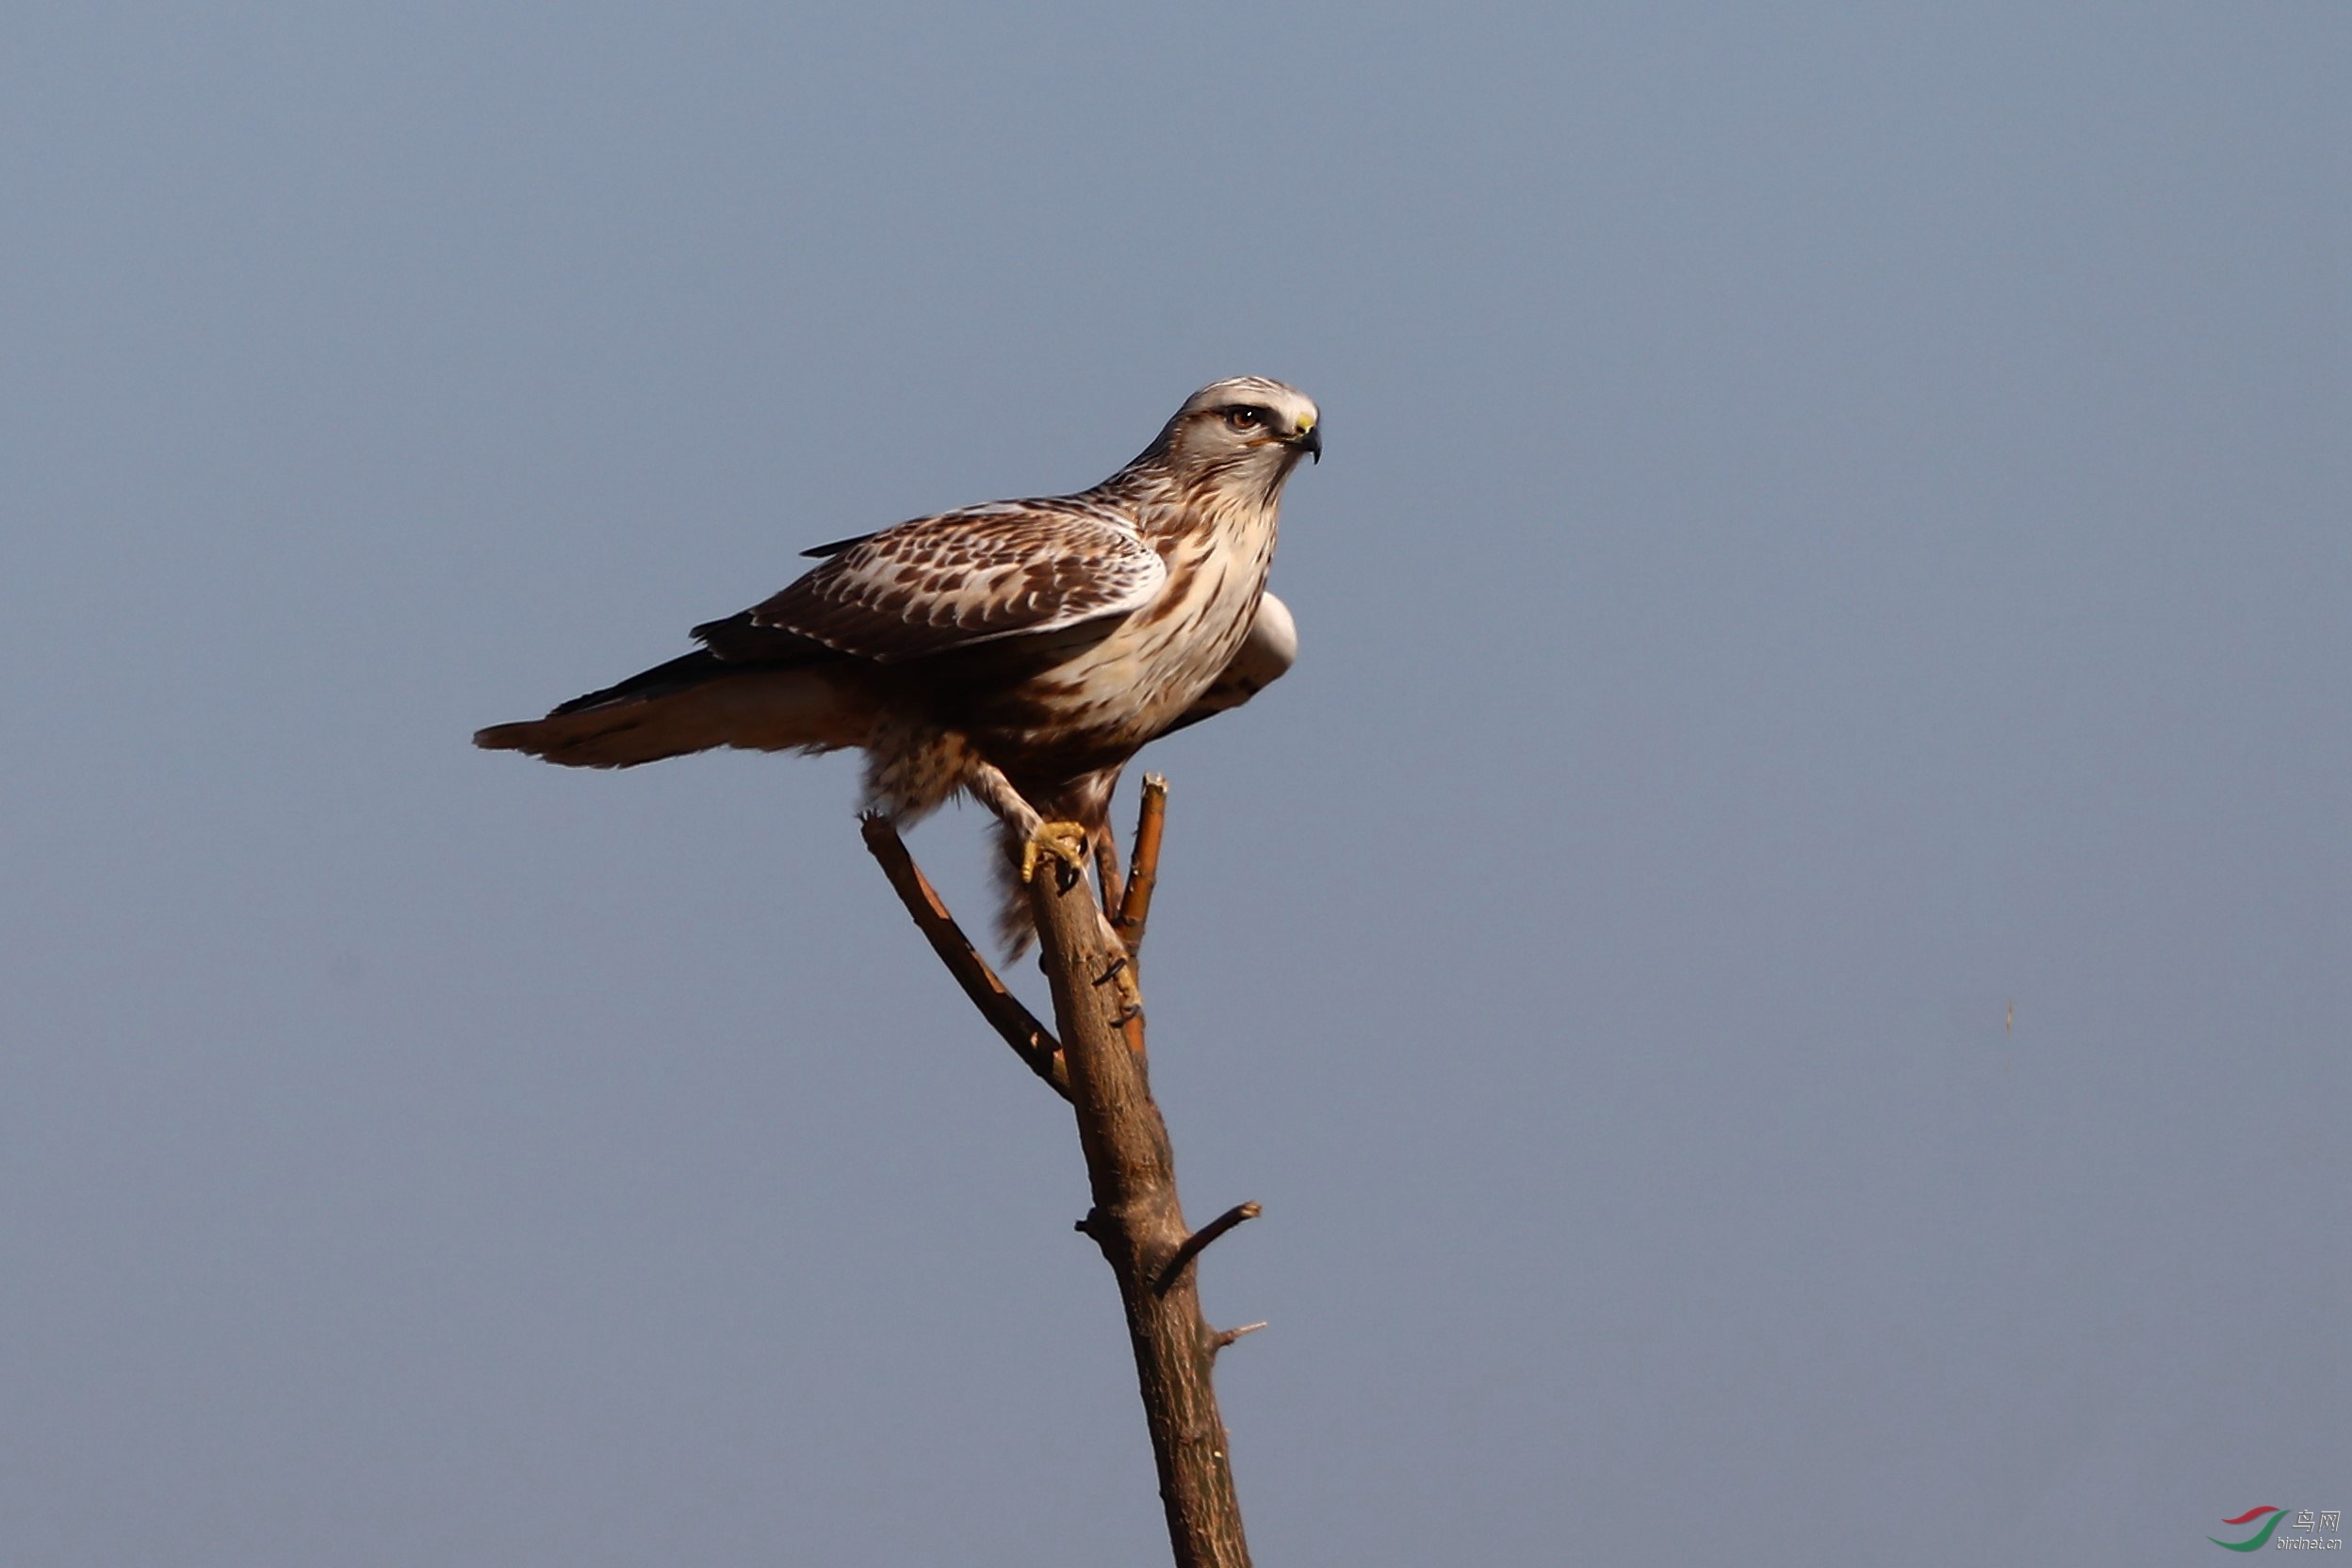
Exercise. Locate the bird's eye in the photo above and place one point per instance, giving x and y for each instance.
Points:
(1244, 418)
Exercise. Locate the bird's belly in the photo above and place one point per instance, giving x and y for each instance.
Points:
(1115, 694)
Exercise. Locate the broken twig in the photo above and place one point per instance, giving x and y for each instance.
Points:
(1197, 1242)
(1229, 1335)
(1143, 873)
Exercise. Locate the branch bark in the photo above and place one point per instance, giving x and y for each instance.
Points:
(1137, 1221)
(1133, 902)
(1098, 1066)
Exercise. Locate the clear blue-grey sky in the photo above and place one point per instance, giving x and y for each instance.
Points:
(1834, 524)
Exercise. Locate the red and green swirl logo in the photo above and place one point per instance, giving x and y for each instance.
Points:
(2259, 1539)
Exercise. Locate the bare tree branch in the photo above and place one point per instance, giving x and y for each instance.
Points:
(1200, 1239)
(1031, 1040)
(1143, 875)
(1227, 1336)
(1106, 869)
(1137, 1219)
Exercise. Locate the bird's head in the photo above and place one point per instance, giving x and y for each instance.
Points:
(1240, 432)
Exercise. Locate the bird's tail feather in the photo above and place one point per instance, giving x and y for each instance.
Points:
(690, 704)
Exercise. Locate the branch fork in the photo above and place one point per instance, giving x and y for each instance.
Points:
(1098, 1065)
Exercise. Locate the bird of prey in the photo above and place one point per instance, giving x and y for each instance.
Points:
(1020, 651)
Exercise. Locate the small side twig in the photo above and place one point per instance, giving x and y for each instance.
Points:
(1197, 1242)
(1227, 1336)
(1106, 870)
(1143, 873)
(1031, 1040)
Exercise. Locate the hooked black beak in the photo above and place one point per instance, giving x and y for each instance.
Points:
(1311, 443)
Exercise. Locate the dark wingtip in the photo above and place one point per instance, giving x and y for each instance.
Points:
(838, 546)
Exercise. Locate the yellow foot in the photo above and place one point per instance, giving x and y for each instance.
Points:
(1064, 840)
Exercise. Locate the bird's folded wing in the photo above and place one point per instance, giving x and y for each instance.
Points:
(965, 578)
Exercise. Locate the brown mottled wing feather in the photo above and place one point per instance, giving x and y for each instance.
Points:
(965, 578)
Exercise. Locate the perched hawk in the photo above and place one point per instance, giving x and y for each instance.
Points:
(1020, 651)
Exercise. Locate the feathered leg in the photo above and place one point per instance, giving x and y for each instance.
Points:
(1064, 840)
(1080, 823)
